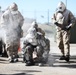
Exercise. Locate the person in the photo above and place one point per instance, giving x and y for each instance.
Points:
(64, 21)
(43, 42)
(3, 52)
(29, 44)
(11, 23)
(35, 46)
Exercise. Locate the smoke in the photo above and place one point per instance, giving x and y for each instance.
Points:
(25, 28)
(2, 35)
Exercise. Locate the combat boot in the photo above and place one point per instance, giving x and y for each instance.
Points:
(62, 57)
(29, 63)
(67, 58)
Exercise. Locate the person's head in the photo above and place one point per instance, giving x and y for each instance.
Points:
(61, 7)
(13, 7)
(33, 32)
(34, 24)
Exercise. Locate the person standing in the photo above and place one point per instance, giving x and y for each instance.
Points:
(11, 22)
(64, 21)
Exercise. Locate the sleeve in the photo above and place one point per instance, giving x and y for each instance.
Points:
(21, 20)
(41, 31)
(72, 19)
(4, 19)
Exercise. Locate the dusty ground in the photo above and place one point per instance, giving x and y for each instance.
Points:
(53, 67)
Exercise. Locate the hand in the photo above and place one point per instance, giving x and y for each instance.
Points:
(68, 27)
(56, 23)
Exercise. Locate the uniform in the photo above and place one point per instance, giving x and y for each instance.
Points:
(11, 23)
(29, 44)
(64, 20)
(35, 45)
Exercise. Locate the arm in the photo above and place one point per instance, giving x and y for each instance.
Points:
(54, 21)
(4, 19)
(41, 31)
(71, 21)
(21, 20)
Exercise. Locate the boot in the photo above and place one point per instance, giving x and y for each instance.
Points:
(29, 63)
(67, 58)
(62, 57)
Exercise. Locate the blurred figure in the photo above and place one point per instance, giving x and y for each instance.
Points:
(30, 43)
(11, 22)
(43, 52)
(1, 51)
(64, 20)
(36, 47)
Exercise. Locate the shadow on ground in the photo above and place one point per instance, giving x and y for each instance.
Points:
(28, 71)
(17, 74)
(63, 63)
(53, 61)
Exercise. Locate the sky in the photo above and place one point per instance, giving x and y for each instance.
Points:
(41, 10)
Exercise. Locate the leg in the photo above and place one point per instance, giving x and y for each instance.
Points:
(15, 52)
(47, 41)
(60, 42)
(9, 49)
(4, 53)
(40, 59)
(46, 50)
(28, 55)
(10, 54)
(66, 37)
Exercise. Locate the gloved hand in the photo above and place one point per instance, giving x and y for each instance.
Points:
(56, 23)
(68, 27)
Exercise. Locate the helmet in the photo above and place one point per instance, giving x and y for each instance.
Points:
(13, 7)
(34, 24)
(61, 6)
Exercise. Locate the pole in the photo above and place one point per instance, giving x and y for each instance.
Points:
(66, 3)
(48, 16)
(35, 15)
